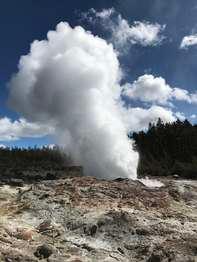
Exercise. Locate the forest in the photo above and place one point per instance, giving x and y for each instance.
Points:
(167, 149)
(41, 159)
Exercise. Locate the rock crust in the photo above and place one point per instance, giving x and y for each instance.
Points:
(84, 219)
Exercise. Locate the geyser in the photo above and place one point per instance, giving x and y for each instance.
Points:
(71, 81)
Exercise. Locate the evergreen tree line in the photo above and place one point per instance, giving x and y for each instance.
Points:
(33, 158)
(167, 149)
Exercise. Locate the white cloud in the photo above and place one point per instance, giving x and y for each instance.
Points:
(181, 94)
(122, 33)
(105, 13)
(180, 116)
(142, 33)
(72, 79)
(184, 95)
(188, 41)
(93, 16)
(13, 130)
(193, 98)
(138, 118)
(148, 88)
(193, 116)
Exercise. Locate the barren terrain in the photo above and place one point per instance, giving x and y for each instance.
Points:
(82, 219)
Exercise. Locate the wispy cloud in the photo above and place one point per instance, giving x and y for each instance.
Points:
(124, 34)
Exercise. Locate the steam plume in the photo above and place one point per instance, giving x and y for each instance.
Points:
(71, 81)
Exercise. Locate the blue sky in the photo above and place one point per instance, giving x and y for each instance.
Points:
(21, 22)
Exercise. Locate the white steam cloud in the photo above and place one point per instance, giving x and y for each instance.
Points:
(71, 81)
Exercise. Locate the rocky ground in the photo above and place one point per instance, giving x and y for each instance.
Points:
(82, 219)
